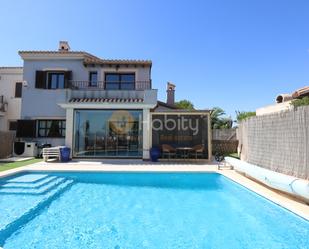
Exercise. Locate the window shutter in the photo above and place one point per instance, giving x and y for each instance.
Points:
(67, 79)
(18, 89)
(40, 79)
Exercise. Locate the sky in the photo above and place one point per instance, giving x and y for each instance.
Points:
(235, 54)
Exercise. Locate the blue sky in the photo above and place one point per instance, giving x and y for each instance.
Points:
(236, 54)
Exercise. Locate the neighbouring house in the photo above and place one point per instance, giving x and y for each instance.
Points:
(283, 102)
(10, 97)
(104, 107)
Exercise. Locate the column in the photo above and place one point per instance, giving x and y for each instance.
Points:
(146, 133)
(69, 128)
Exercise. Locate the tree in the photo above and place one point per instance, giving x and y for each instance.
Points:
(185, 104)
(219, 120)
(300, 102)
(242, 115)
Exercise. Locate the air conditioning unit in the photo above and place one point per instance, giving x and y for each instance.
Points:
(25, 149)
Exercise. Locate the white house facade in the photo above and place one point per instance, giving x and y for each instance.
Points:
(97, 107)
(10, 97)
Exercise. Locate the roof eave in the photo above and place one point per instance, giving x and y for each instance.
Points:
(115, 62)
(25, 55)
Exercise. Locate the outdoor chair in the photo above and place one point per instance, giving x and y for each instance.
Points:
(168, 150)
(197, 150)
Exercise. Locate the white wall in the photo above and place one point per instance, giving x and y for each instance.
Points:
(278, 107)
(8, 77)
(43, 103)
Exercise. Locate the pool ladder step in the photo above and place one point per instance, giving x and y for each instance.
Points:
(52, 194)
(30, 184)
(38, 188)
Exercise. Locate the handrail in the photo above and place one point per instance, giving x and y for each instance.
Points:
(99, 85)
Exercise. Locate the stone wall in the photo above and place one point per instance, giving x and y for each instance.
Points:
(224, 147)
(224, 141)
(224, 134)
(278, 141)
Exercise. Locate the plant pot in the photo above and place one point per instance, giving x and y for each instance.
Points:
(154, 154)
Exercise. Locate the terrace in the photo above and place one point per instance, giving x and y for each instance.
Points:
(111, 91)
(110, 85)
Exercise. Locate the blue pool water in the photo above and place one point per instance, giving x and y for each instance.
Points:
(141, 210)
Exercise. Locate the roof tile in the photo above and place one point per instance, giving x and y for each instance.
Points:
(91, 59)
(106, 100)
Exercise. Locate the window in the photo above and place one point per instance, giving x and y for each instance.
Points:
(12, 125)
(55, 80)
(93, 78)
(116, 81)
(51, 128)
(26, 128)
(18, 89)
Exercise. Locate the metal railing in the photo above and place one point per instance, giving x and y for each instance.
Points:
(110, 85)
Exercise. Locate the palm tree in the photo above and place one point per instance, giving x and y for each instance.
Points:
(219, 120)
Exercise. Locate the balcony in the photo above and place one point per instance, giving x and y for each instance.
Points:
(110, 85)
(140, 90)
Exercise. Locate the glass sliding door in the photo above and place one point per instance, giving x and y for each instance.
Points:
(108, 133)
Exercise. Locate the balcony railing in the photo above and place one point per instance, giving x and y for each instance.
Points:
(110, 85)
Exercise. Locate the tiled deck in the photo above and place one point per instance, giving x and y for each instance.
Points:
(283, 200)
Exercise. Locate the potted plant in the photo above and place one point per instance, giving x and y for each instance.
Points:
(154, 154)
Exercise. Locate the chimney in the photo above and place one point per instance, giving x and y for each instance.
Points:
(170, 93)
(63, 46)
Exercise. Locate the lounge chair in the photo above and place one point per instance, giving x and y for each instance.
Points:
(168, 150)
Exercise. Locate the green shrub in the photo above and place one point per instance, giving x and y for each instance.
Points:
(300, 102)
(244, 115)
(185, 104)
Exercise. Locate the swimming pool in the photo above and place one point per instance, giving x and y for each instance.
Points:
(141, 210)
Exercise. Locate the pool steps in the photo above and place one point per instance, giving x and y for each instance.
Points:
(36, 184)
(45, 190)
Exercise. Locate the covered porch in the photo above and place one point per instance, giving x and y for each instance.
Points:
(182, 134)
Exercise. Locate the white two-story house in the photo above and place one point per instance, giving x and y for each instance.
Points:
(102, 107)
(10, 97)
(97, 107)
